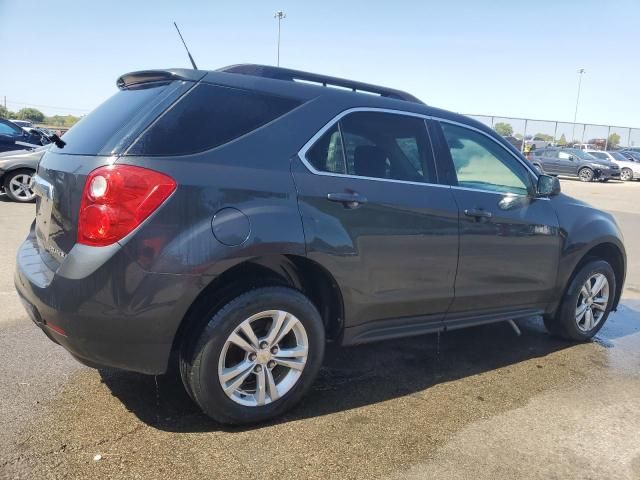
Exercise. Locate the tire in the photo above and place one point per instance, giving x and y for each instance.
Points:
(203, 368)
(566, 323)
(585, 174)
(15, 183)
(626, 174)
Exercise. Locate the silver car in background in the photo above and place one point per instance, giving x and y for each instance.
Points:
(629, 169)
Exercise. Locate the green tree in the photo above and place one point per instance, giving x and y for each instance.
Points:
(544, 136)
(563, 140)
(503, 128)
(614, 140)
(32, 114)
(61, 120)
(4, 113)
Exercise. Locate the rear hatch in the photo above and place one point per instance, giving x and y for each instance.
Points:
(95, 141)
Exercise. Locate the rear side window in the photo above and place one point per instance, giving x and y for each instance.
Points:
(386, 145)
(105, 127)
(208, 117)
(376, 145)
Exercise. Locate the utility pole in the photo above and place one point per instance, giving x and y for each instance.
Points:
(581, 72)
(279, 15)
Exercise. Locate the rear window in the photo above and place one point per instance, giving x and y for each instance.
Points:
(107, 127)
(210, 116)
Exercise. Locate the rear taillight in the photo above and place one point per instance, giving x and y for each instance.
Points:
(118, 198)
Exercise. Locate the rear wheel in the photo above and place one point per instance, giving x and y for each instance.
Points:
(256, 357)
(17, 185)
(626, 174)
(585, 174)
(586, 304)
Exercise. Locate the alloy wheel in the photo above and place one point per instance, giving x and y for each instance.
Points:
(626, 174)
(20, 187)
(586, 175)
(263, 358)
(592, 302)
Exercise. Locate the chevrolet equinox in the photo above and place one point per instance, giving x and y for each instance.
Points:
(236, 220)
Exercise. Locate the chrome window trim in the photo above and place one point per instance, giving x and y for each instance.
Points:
(302, 153)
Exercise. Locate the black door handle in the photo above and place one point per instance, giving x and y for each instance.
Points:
(349, 200)
(477, 213)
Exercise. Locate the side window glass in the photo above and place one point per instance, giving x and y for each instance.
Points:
(386, 145)
(564, 155)
(326, 154)
(482, 164)
(6, 129)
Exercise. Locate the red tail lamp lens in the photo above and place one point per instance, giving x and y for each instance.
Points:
(118, 198)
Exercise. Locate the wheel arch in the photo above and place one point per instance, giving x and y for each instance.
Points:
(612, 254)
(292, 271)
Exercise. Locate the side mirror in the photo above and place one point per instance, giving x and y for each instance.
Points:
(547, 186)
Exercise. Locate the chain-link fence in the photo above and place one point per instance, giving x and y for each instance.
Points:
(539, 133)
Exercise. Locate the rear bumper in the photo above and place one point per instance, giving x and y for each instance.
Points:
(116, 315)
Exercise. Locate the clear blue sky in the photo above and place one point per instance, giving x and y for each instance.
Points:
(495, 57)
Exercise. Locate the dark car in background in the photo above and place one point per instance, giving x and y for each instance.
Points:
(631, 155)
(14, 137)
(238, 219)
(17, 169)
(573, 162)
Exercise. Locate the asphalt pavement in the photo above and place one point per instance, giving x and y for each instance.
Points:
(476, 403)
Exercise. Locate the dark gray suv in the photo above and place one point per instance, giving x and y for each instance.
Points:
(237, 220)
(573, 162)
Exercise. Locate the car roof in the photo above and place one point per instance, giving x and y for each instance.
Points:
(340, 94)
(298, 84)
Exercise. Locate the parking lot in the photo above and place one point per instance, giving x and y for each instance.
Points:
(475, 403)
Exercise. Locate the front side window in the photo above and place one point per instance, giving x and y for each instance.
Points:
(480, 163)
(375, 145)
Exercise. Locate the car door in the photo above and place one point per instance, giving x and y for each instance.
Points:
(509, 239)
(9, 134)
(376, 219)
(540, 157)
(550, 162)
(568, 163)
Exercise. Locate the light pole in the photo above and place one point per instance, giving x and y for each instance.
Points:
(581, 72)
(280, 15)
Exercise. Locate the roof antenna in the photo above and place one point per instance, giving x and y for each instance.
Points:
(185, 46)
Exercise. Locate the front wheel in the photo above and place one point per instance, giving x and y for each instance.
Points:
(586, 303)
(626, 174)
(17, 185)
(256, 357)
(585, 174)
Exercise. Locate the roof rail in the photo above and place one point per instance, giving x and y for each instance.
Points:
(290, 75)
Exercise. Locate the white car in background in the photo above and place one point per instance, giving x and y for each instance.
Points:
(629, 170)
